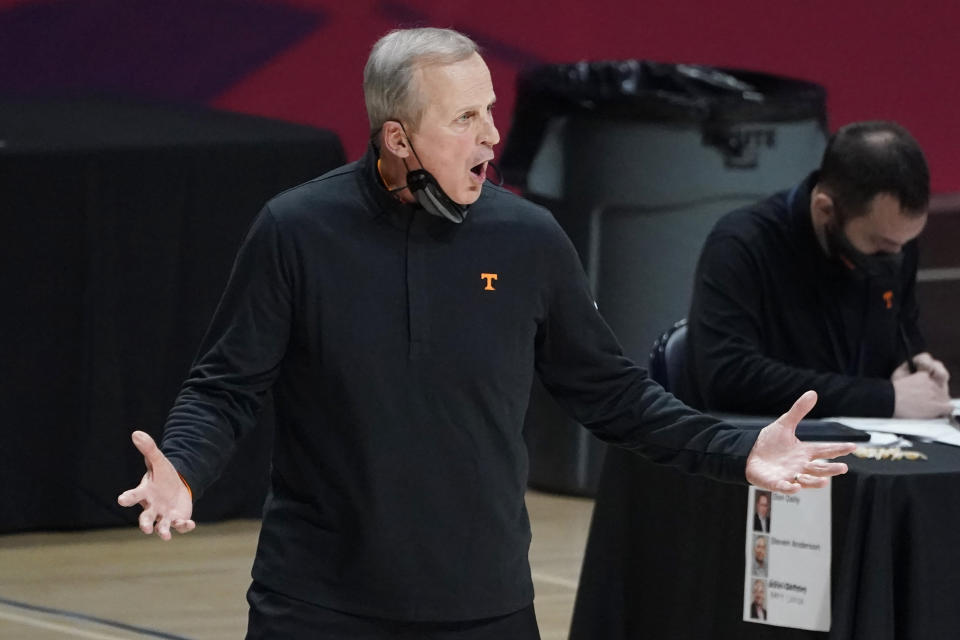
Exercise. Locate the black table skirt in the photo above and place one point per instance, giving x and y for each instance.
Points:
(665, 556)
(121, 221)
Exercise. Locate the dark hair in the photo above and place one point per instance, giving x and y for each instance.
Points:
(864, 159)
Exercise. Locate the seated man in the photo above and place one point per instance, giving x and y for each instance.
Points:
(814, 288)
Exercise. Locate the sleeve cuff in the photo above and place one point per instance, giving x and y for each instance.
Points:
(186, 484)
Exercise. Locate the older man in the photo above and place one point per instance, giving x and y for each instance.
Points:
(759, 556)
(398, 309)
(758, 606)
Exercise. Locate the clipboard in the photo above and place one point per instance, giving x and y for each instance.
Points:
(807, 430)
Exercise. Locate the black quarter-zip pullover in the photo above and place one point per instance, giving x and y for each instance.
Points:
(400, 349)
(773, 316)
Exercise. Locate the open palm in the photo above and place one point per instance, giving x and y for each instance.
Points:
(781, 462)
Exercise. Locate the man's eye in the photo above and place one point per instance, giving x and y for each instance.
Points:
(465, 117)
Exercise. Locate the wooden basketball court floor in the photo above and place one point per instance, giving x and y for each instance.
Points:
(113, 584)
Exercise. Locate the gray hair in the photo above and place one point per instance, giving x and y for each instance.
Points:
(388, 79)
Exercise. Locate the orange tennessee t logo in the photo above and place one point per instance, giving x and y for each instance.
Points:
(489, 277)
(888, 299)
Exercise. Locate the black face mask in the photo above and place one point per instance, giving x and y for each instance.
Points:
(431, 196)
(862, 265)
(428, 192)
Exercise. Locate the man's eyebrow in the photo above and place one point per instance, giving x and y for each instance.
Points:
(474, 108)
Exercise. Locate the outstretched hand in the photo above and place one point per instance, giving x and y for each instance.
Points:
(165, 499)
(781, 462)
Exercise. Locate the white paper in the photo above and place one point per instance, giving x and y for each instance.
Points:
(787, 559)
(943, 430)
(939, 430)
(878, 439)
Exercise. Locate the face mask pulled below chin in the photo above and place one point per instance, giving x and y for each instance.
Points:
(428, 192)
(865, 266)
(432, 198)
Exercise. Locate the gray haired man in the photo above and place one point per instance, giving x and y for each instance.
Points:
(398, 309)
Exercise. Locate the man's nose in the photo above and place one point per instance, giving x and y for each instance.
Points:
(489, 135)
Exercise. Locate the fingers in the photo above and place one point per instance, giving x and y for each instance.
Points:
(940, 374)
(146, 446)
(785, 486)
(816, 475)
(820, 468)
(163, 529)
(180, 525)
(184, 526)
(800, 408)
(936, 369)
(150, 522)
(808, 481)
(146, 520)
(130, 497)
(828, 450)
(824, 470)
(900, 372)
(137, 495)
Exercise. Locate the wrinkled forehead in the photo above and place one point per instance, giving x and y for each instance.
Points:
(448, 88)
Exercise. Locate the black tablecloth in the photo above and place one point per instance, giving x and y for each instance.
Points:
(665, 556)
(121, 221)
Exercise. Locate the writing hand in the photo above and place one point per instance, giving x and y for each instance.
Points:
(920, 396)
(926, 362)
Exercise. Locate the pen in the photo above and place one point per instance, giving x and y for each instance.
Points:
(908, 350)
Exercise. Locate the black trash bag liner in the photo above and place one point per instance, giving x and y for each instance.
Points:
(697, 95)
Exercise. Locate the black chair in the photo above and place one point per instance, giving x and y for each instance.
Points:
(668, 366)
(668, 357)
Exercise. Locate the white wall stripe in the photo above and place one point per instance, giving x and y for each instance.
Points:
(935, 275)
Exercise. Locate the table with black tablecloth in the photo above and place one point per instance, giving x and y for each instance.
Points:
(665, 556)
(120, 223)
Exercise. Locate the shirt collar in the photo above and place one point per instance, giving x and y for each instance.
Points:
(383, 202)
(798, 204)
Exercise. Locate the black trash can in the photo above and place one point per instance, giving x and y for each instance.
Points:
(637, 160)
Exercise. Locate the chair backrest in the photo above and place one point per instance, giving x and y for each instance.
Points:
(668, 359)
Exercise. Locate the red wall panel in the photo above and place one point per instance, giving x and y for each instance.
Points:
(891, 60)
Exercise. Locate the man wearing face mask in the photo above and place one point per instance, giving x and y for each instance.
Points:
(814, 288)
(398, 309)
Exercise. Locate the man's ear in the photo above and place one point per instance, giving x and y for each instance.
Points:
(394, 139)
(822, 208)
